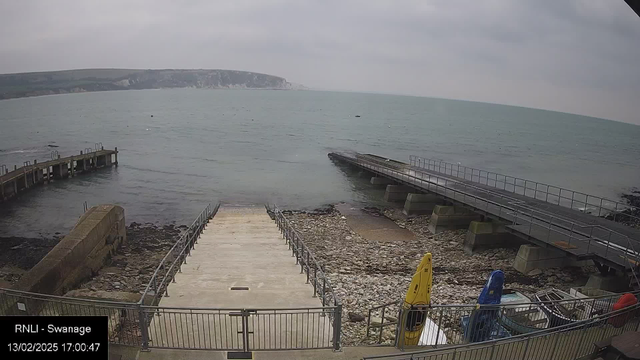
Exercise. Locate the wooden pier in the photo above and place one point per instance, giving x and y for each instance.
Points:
(30, 174)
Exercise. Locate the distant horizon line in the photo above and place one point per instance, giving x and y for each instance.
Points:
(466, 100)
(310, 88)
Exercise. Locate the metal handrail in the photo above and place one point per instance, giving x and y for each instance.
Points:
(542, 188)
(28, 166)
(570, 303)
(299, 249)
(583, 324)
(439, 180)
(635, 293)
(181, 249)
(305, 258)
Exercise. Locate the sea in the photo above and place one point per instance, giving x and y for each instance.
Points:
(181, 149)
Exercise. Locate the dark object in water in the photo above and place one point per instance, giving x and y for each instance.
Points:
(357, 115)
(53, 146)
(151, 115)
(482, 325)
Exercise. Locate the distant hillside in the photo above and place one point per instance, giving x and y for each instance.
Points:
(71, 81)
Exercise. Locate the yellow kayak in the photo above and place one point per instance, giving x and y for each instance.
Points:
(417, 299)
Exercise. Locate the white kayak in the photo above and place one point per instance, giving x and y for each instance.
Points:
(432, 333)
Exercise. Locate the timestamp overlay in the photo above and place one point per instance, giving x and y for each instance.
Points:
(42, 337)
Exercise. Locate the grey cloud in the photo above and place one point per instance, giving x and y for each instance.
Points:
(568, 55)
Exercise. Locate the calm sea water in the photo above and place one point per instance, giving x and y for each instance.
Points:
(239, 146)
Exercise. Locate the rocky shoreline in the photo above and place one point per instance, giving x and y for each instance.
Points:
(368, 273)
(632, 198)
(18, 255)
(131, 268)
(128, 271)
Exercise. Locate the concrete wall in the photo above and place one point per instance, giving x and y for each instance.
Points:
(486, 235)
(417, 204)
(532, 257)
(451, 218)
(94, 239)
(396, 193)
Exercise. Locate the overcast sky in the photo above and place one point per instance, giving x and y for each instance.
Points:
(578, 56)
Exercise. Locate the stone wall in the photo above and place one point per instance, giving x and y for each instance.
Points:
(80, 254)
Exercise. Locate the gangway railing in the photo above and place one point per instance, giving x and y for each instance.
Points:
(446, 320)
(564, 342)
(590, 204)
(527, 219)
(172, 262)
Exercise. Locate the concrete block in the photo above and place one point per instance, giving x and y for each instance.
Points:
(420, 203)
(381, 181)
(533, 257)
(613, 283)
(78, 254)
(396, 193)
(485, 235)
(450, 218)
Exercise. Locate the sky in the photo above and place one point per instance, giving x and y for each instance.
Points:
(577, 56)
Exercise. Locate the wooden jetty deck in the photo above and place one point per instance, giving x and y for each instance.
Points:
(579, 234)
(12, 183)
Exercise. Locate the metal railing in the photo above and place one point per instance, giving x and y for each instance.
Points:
(151, 326)
(240, 329)
(388, 314)
(569, 341)
(124, 328)
(590, 204)
(55, 159)
(134, 324)
(447, 321)
(592, 240)
(313, 269)
(172, 262)
(308, 263)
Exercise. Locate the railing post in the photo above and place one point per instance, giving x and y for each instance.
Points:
(301, 254)
(144, 331)
(439, 324)
(381, 324)
(402, 321)
(337, 324)
(600, 208)
(324, 286)
(546, 199)
(571, 233)
(307, 266)
(315, 279)
(155, 286)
